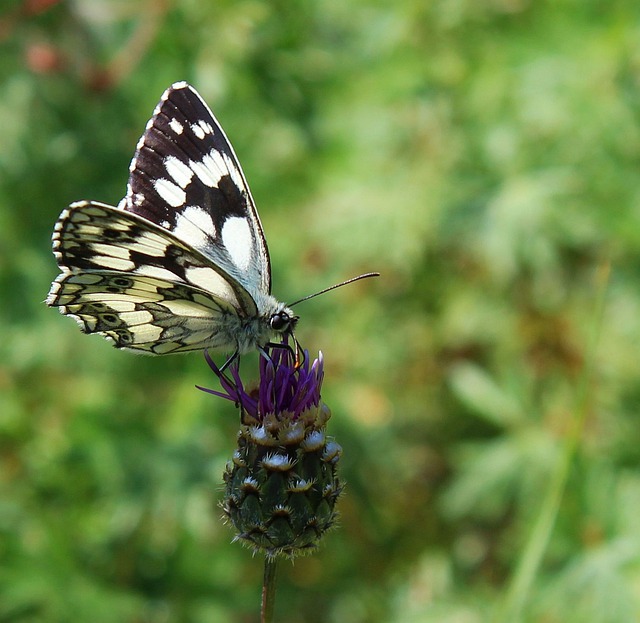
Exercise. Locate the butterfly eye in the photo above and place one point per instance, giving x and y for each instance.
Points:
(280, 322)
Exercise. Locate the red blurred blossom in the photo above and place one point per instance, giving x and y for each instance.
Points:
(43, 58)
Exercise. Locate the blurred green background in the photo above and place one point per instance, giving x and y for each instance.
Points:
(482, 155)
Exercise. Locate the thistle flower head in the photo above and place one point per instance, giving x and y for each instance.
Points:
(283, 388)
(282, 484)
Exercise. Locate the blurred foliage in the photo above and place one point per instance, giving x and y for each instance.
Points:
(484, 157)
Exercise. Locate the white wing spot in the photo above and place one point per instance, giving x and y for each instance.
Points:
(236, 236)
(149, 243)
(178, 170)
(110, 250)
(172, 194)
(156, 271)
(176, 126)
(187, 308)
(206, 127)
(217, 160)
(113, 263)
(198, 131)
(209, 280)
(200, 217)
(194, 225)
(209, 169)
(122, 306)
(234, 171)
(135, 318)
(145, 333)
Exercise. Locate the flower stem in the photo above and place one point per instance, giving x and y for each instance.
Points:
(269, 588)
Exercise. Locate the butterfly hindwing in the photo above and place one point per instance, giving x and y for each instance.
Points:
(141, 313)
(185, 177)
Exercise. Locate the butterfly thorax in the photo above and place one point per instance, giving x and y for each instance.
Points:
(249, 333)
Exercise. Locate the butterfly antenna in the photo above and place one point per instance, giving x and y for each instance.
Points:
(333, 287)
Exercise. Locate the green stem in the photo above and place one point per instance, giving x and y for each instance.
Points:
(269, 588)
(526, 571)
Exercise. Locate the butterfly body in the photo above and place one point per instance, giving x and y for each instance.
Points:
(182, 263)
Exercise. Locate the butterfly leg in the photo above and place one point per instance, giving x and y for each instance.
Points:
(297, 352)
(230, 360)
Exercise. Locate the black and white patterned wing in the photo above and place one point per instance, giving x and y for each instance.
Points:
(185, 177)
(140, 286)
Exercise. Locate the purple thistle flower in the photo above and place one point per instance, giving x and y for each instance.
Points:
(282, 388)
(282, 484)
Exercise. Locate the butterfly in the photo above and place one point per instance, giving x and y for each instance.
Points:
(181, 264)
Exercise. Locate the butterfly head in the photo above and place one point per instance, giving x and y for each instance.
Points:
(283, 321)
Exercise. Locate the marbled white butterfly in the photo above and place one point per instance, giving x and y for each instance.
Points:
(182, 263)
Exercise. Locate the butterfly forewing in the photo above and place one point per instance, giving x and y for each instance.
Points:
(185, 177)
(140, 313)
